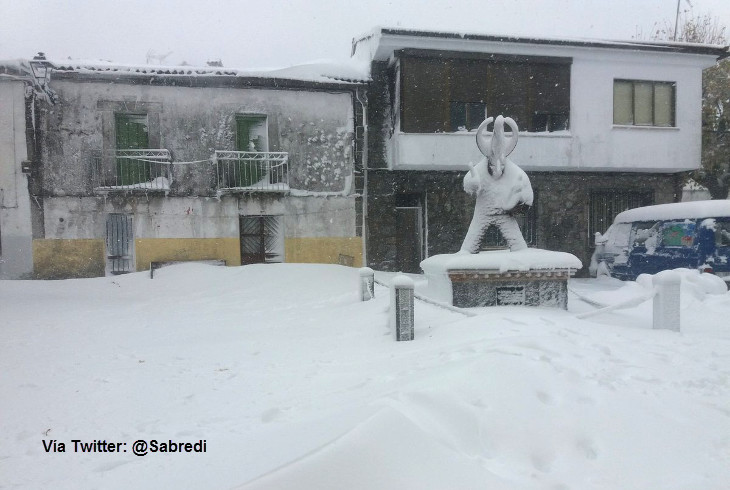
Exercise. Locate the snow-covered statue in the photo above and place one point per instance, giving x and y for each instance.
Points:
(500, 186)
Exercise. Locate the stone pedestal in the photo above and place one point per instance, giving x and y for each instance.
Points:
(476, 287)
(532, 277)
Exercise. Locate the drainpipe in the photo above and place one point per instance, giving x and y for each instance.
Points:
(363, 100)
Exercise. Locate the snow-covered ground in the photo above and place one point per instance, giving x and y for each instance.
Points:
(294, 383)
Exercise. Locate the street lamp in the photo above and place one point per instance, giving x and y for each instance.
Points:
(40, 67)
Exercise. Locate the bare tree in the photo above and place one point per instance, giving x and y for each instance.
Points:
(690, 28)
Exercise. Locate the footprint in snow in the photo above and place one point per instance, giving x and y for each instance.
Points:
(587, 447)
(270, 415)
(516, 322)
(110, 466)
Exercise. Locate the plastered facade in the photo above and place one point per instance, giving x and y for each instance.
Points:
(64, 233)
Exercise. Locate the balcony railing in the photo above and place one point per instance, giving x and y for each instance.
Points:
(252, 171)
(132, 170)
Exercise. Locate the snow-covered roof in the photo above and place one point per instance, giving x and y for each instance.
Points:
(383, 41)
(322, 71)
(680, 210)
(14, 68)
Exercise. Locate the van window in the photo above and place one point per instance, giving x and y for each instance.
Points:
(618, 235)
(722, 234)
(643, 231)
(678, 233)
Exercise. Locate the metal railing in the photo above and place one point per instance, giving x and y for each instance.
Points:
(252, 171)
(130, 170)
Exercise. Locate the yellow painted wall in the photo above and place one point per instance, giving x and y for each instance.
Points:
(58, 259)
(167, 249)
(324, 250)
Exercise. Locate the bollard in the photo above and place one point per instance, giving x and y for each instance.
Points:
(666, 300)
(401, 308)
(367, 284)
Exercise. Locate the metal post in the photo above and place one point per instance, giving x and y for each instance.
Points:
(401, 308)
(666, 300)
(367, 284)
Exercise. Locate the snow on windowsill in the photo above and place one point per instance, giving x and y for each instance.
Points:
(525, 134)
(653, 128)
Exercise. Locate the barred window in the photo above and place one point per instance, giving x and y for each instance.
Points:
(644, 103)
(606, 204)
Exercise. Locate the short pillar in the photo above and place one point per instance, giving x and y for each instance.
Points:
(401, 308)
(367, 284)
(666, 300)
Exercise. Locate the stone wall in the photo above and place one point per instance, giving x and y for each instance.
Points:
(314, 126)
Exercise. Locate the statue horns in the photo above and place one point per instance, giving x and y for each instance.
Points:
(497, 144)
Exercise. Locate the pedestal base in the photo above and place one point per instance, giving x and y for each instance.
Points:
(530, 277)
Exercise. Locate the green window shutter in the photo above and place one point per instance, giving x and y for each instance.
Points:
(248, 171)
(243, 133)
(131, 134)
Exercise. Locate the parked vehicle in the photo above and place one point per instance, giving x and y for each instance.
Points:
(693, 235)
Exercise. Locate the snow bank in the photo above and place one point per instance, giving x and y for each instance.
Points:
(695, 288)
(296, 383)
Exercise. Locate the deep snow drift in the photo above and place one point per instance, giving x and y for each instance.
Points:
(293, 383)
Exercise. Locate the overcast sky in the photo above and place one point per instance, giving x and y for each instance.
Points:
(254, 34)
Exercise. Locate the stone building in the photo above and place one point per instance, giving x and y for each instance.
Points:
(106, 169)
(604, 126)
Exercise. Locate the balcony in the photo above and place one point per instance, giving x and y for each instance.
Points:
(455, 151)
(252, 171)
(146, 170)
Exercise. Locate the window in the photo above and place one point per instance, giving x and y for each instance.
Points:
(678, 233)
(722, 234)
(643, 103)
(131, 134)
(467, 115)
(549, 121)
(606, 204)
(440, 94)
(644, 233)
(262, 239)
(251, 133)
(247, 168)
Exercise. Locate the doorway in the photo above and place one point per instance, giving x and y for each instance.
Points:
(119, 244)
(410, 234)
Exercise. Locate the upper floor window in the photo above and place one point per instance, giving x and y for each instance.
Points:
(448, 94)
(644, 103)
(251, 133)
(466, 116)
(131, 131)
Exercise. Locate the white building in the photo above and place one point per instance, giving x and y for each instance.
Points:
(604, 126)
